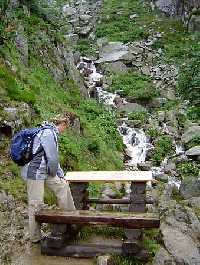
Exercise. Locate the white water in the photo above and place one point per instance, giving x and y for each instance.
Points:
(136, 144)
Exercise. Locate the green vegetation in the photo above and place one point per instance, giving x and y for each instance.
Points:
(188, 169)
(138, 115)
(189, 83)
(85, 47)
(152, 132)
(14, 88)
(180, 47)
(163, 147)
(135, 86)
(194, 142)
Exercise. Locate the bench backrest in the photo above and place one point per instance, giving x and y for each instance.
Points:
(109, 176)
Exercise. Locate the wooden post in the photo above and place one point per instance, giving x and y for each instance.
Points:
(80, 195)
(137, 204)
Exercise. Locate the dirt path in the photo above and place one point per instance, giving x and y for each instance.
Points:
(32, 256)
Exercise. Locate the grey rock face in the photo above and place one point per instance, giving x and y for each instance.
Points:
(194, 151)
(190, 187)
(192, 132)
(194, 24)
(130, 107)
(163, 257)
(193, 202)
(22, 44)
(116, 67)
(180, 246)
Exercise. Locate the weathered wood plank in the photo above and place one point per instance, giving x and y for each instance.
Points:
(109, 176)
(114, 201)
(129, 220)
(82, 251)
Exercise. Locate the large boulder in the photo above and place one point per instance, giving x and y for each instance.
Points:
(190, 187)
(194, 23)
(166, 6)
(180, 245)
(131, 107)
(163, 257)
(192, 132)
(111, 52)
(194, 151)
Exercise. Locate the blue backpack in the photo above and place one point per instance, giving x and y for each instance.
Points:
(22, 144)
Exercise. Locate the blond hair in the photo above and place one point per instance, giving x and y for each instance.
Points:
(67, 117)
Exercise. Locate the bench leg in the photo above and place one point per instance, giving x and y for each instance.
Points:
(132, 244)
(80, 195)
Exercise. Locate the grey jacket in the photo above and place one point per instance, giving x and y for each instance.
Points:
(46, 161)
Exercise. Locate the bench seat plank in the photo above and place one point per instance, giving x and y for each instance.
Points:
(129, 220)
(109, 176)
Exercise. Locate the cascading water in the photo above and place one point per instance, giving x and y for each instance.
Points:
(136, 144)
(135, 140)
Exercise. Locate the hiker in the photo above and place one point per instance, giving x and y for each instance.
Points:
(44, 168)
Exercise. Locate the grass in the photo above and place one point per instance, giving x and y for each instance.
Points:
(135, 86)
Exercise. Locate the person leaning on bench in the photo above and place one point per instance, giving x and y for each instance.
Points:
(45, 168)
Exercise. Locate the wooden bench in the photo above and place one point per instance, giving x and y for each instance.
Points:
(133, 221)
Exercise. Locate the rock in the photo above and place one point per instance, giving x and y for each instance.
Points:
(162, 177)
(170, 167)
(109, 191)
(161, 116)
(85, 17)
(190, 187)
(158, 102)
(192, 132)
(112, 52)
(116, 67)
(193, 202)
(84, 31)
(194, 151)
(101, 42)
(181, 246)
(130, 107)
(194, 24)
(163, 257)
(144, 166)
(145, 70)
(166, 6)
(133, 16)
(68, 11)
(118, 101)
(104, 260)
(22, 44)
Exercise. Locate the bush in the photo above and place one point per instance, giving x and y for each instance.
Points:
(138, 115)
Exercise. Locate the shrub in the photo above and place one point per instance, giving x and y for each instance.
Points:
(163, 147)
(138, 115)
(190, 168)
